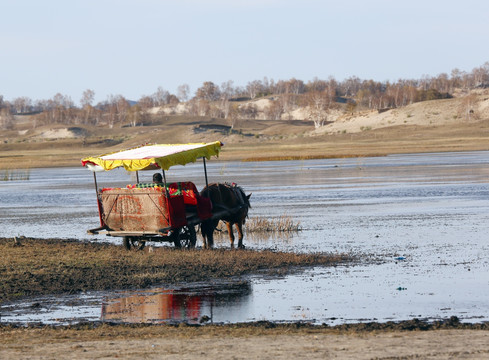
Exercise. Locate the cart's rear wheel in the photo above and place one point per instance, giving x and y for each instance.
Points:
(185, 237)
(133, 243)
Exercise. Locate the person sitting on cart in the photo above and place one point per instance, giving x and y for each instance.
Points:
(157, 182)
(157, 179)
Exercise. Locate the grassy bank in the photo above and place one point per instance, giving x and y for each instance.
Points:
(37, 266)
(288, 142)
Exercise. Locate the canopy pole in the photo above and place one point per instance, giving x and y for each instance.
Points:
(137, 177)
(95, 181)
(205, 172)
(99, 204)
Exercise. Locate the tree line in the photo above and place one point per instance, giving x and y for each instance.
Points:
(319, 96)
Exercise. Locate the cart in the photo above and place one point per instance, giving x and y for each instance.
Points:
(162, 212)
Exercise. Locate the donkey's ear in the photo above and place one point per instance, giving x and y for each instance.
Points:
(248, 196)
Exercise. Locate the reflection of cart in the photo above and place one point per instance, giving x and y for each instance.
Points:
(152, 212)
(187, 304)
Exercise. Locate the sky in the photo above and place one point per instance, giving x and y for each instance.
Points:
(133, 47)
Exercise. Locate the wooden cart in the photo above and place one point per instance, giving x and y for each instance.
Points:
(162, 212)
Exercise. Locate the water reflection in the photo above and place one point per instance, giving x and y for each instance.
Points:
(191, 305)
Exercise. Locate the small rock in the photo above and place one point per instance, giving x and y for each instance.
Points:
(204, 319)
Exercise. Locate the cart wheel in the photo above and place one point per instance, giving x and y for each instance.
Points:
(185, 237)
(133, 243)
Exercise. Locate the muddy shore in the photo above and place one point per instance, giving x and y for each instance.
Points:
(30, 267)
(266, 340)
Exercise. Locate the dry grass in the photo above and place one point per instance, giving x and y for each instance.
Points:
(15, 174)
(257, 224)
(37, 266)
(283, 223)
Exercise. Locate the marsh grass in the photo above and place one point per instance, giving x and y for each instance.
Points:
(38, 266)
(259, 226)
(15, 174)
(283, 223)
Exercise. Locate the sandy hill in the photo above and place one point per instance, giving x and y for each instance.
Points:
(435, 112)
(426, 113)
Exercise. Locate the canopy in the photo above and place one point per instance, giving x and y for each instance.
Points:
(153, 156)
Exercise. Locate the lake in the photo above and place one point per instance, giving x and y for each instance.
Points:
(418, 223)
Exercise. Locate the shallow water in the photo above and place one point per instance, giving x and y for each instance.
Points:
(419, 222)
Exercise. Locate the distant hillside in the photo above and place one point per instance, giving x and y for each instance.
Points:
(462, 109)
(456, 124)
(466, 109)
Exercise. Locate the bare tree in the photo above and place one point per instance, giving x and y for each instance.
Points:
(350, 86)
(294, 86)
(467, 81)
(208, 91)
(456, 78)
(316, 85)
(134, 115)
(122, 109)
(274, 111)
(111, 108)
(226, 93)
(161, 97)
(183, 92)
(467, 106)
(267, 86)
(318, 104)
(172, 100)
(22, 105)
(86, 101)
(350, 106)
(199, 107)
(59, 107)
(6, 118)
(233, 116)
(253, 88)
(481, 75)
(146, 102)
(87, 98)
(288, 102)
(227, 89)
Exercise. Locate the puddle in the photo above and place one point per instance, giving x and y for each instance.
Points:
(192, 303)
(200, 303)
(419, 222)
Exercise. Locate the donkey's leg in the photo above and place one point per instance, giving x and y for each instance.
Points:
(208, 234)
(210, 240)
(229, 225)
(239, 226)
(203, 231)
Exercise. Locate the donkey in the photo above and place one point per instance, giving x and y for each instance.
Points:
(231, 201)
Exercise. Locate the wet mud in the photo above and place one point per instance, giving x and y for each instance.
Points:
(255, 327)
(30, 267)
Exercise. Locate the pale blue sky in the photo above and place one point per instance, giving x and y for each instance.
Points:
(133, 47)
